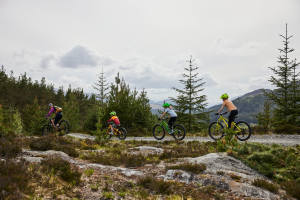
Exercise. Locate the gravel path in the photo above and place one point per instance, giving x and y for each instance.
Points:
(285, 140)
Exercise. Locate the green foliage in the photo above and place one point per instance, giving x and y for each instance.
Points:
(92, 118)
(132, 109)
(17, 125)
(89, 172)
(190, 107)
(264, 117)
(33, 118)
(71, 111)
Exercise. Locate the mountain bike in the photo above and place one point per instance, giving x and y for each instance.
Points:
(119, 131)
(159, 131)
(63, 128)
(242, 128)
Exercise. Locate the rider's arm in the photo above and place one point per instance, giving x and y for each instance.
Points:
(163, 114)
(51, 111)
(221, 108)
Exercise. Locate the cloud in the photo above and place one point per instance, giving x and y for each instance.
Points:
(209, 80)
(83, 56)
(229, 47)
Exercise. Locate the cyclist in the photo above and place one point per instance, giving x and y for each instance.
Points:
(230, 106)
(116, 122)
(58, 111)
(173, 116)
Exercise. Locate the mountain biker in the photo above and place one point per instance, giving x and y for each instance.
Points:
(173, 116)
(230, 106)
(116, 122)
(58, 111)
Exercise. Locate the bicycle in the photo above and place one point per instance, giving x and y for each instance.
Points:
(242, 128)
(159, 131)
(120, 132)
(64, 127)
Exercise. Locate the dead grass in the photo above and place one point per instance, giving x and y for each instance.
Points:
(195, 167)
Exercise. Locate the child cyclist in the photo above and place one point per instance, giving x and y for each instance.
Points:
(231, 108)
(58, 111)
(116, 122)
(173, 116)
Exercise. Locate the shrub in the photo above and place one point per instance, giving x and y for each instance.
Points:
(287, 129)
(260, 129)
(195, 167)
(9, 148)
(14, 179)
(52, 142)
(292, 188)
(262, 183)
(62, 168)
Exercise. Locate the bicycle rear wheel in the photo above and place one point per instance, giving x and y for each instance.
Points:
(243, 130)
(158, 132)
(215, 130)
(47, 129)
(122, 133)
(64, 127)
(179, 132)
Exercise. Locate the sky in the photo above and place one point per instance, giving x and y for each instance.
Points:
(233, 43)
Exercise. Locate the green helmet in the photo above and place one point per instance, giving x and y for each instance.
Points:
(113, 113)
(224, 96)
(166, 105)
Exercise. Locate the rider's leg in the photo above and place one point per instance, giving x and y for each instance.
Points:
(57, 118)
(171, 122)
(230, 117)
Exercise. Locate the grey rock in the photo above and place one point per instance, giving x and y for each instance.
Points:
(132, 173)
(149, 150)
(33, 159)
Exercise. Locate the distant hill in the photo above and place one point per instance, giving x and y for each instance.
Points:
(247, 104)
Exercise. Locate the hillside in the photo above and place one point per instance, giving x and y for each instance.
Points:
(247, 104)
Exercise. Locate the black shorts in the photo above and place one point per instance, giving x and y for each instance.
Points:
(59, 115)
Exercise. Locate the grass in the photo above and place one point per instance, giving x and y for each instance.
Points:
(195, 167)
(262, 183)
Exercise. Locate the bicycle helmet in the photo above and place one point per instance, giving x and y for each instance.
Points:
(166, 105)
(113, 113)
(224, 96)
(50, 104)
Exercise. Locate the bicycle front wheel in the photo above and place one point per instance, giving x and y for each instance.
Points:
(179, 132)
(47, 129)
(158, 132)
(215, 130)
(105, 134)
(243, 130)
(64, 127)
(122, 133)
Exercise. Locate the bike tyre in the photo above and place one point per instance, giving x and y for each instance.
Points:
(248, 131)
(182, 130)
(156, 128)
(210, 131)
(47, 130)
(124, 133)
(66, 126)
(105, 134)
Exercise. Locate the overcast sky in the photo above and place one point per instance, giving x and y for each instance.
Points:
(233, 42)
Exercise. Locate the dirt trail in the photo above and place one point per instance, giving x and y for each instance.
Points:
(285, 140)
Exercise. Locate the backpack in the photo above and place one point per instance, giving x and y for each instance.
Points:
(57, 109)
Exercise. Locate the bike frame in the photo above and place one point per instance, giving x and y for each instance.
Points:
(163, 123)
(224, 120)
(115, 130)
(52, 122)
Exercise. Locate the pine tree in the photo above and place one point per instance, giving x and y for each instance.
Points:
(71, 112)
(33, 118)
(101, 86)
(285, 96)
(265, 117)
(189, 105)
